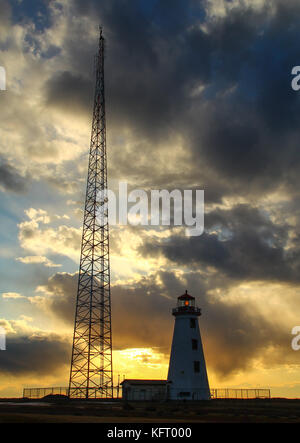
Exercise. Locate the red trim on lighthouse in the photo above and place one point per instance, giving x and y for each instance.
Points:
(186, 296)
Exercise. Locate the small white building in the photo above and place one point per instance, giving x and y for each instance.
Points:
(144, 390)
(187, 377)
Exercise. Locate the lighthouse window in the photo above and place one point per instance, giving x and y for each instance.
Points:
(196, 366)
(193, 323)
(194, 344)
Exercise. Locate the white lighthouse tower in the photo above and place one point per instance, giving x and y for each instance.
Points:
(187, 377)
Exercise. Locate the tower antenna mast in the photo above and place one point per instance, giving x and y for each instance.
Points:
(91, 374)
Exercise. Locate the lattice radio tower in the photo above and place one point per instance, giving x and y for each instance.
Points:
(91, 373)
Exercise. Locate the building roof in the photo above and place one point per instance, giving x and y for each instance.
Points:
(186, 296)
(144, 382)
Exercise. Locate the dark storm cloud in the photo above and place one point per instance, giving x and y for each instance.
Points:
(10, 178)
(241, 131)
(5, 13)
(150, 63)
(138, 310)
(70, 92)
(34, 354)
(249, 133)
(63, 286)
(234, 335)
(247, 246)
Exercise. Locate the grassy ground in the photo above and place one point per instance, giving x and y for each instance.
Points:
(214, 411)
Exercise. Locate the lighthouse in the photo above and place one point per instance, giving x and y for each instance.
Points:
(187, 377)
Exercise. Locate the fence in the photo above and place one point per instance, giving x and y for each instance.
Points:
(243, 394)
(223, 393)
(37, 393)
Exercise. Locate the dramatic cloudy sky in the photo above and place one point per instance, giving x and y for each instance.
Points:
(198, 96)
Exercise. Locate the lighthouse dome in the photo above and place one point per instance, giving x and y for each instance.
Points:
(186, 305)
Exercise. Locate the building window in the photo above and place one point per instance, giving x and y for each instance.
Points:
(143, 394)
(194, 344)
(193, 323)
(196, 366)
(184, 394)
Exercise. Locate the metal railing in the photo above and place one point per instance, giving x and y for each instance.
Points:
(150, 394)
(186, 310)
(243, 394)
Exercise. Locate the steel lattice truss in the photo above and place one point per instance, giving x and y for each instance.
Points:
(91, 366)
